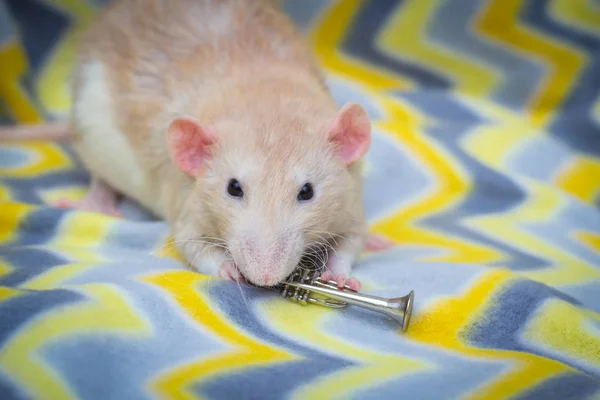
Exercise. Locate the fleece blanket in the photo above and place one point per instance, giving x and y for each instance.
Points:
(484, 171)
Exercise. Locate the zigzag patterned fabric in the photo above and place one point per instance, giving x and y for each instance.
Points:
(484, 169)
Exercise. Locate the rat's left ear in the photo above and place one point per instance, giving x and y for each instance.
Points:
(350, 131)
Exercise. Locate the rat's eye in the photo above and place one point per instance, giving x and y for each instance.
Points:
(235, 189)
(306, 193)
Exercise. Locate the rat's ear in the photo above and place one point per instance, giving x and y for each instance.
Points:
(350, 131)
(189, 144)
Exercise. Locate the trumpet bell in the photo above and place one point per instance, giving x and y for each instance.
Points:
(401, 309)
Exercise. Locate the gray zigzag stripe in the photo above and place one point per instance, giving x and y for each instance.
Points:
(130, 362)
(493, 192)
(512, 309)
(451, 27)
(289, 374)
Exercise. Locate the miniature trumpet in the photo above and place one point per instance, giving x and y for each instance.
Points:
(305, 286)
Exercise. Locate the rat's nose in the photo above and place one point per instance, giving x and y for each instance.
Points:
(264, 271)
(263, 262)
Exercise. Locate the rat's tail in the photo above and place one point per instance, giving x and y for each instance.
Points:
(59, 131)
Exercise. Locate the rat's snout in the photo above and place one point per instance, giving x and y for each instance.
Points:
(267, 260)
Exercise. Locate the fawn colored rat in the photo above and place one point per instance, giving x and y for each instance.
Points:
(215, 115)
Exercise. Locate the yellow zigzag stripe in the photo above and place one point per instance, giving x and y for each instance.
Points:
(72, 192)
(13, 66)
(46, 158)
(581, 179)
(303, 323)
(246, 352)
(562, 329)
(5, 194)
(444, 324)
(500, 22)
(77, 238)
(104, 311)
(592, 240)
(11, 216)
(5, 268)
(411, 20)
(7, 293)
(577, 13)
(57, 275)
(325, 38)
(452, 185)
(491, 144)
(542, 203)
(52, 85)
(80, 234)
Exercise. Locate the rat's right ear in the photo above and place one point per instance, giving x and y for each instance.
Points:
(189, 144)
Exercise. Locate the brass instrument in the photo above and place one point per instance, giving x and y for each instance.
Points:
(304, 286)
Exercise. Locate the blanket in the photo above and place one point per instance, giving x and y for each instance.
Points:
(484, 170)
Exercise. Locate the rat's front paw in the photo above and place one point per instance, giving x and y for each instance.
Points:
(229, 271)
(338, 268)
(341, 280)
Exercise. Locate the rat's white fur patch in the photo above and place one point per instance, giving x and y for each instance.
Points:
(98, 134)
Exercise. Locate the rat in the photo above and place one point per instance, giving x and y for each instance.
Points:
(215, 116)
